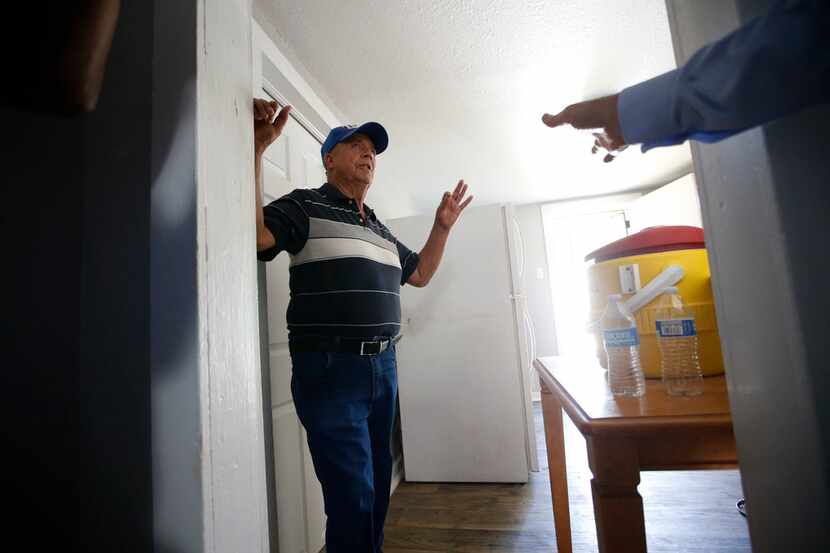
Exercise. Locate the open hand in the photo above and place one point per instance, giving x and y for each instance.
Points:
(267, 128)
(452, 204)
(600, 116)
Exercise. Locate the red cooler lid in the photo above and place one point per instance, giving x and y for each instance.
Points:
(651, 240)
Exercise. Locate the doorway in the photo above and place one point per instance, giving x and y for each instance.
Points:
(572, 230)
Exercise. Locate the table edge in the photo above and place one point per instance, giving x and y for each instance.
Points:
(599, 426)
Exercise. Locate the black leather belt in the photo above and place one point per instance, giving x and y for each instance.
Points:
(336, 344)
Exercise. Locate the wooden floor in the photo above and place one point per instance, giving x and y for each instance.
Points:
(684, 511)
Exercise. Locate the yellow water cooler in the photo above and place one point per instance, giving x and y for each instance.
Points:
(639, 267)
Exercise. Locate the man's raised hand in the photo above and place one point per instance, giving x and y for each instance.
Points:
(452, 204)
(600, 116)
(267, 127)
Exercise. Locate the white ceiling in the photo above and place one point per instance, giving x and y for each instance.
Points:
(461, 85)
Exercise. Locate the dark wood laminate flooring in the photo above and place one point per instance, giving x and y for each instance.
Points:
(684, 511)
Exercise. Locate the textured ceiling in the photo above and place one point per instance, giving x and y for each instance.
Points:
(461, 84)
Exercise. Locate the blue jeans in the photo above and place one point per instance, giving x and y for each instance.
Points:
(346, 403)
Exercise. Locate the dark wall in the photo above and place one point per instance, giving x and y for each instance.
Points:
(41, 236)
(116, 477)
(799, 165)
(75, 229)
(765, 195)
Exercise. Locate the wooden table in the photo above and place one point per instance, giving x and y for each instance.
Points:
(625, 436)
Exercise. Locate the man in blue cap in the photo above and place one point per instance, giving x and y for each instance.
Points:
(344, 318)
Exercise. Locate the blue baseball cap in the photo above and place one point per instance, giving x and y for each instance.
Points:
(375, 132)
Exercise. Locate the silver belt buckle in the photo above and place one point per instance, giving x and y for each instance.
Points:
(363, 345)
(382, 345)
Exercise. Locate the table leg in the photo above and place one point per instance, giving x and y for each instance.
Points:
(618, 507)
(555, 441)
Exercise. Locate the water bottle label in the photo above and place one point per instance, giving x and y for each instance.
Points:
(676, 328)
(621, 338)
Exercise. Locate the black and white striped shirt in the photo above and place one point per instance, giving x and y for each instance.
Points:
(345, 273)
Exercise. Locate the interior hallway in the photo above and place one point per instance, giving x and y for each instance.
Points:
(684, 511)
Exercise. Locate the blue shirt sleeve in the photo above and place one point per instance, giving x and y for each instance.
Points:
(773, 66)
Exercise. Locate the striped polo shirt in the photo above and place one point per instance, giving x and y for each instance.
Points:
(345, 273)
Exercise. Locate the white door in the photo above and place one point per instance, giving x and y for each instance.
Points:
(462, 411)
(292, 161)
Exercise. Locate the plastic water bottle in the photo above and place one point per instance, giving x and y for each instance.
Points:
(622, 345)
(677, 336)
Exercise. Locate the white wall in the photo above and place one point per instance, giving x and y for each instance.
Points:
(676, 203)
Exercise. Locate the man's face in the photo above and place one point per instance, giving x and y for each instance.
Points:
(353, 159)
